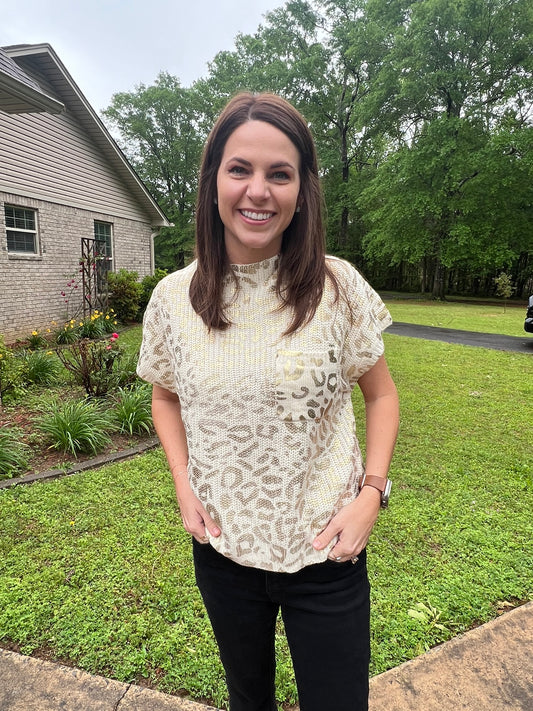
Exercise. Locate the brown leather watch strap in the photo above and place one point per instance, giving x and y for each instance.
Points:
(377, 482)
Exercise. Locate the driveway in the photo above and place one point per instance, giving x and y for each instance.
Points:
(495, 341)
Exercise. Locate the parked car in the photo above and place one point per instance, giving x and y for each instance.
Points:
(528, 323)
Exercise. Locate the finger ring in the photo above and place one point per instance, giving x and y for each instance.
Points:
(355, 559)
(338, 558)
(204, 539)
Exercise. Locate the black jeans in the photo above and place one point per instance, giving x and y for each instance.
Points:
(326, 613)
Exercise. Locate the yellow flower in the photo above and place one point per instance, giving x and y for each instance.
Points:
(35, 333)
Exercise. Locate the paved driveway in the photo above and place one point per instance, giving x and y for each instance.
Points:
(495, 341)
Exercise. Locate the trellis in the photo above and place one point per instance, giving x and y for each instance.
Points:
(94, 267)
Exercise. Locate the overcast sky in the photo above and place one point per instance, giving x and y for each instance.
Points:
(109, 46)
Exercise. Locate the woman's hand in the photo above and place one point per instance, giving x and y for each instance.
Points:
(352, 526)
(196, 520)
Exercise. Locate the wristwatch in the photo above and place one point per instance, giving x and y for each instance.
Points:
(381, 484)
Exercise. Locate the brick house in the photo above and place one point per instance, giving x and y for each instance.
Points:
(63, 180)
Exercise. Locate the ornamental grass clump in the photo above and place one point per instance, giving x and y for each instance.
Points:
(133, 412)
(40, 367)
(78, 427)
(13, 452)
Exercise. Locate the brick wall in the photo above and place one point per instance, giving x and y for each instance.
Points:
(31, 286)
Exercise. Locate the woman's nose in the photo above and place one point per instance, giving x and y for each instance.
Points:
(258, 187)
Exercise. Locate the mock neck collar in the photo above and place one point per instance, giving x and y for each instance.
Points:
(258, 271)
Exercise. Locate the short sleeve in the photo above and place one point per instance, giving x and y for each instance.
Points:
(156, 364)
(368, 319)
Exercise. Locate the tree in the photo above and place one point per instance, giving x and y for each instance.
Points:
(462, 70)
(162, 134)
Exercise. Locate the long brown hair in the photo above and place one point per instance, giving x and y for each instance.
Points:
(302, 269)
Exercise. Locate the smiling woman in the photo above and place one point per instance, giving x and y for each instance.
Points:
(253, 351)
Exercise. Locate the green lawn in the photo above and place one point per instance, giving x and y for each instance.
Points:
(466, 317)
(96, 569)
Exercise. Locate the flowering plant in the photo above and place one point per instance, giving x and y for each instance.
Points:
(92, 363)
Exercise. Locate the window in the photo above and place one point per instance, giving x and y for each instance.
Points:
(21, 228)
(102, 233)
(104, 250)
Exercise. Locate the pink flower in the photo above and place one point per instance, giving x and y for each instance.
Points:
(114, 336)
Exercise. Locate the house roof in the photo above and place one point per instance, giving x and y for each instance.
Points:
(19, 93)
(44, 61)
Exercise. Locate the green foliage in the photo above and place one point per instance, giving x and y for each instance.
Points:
(76, 427)
(148, 285)
(13, 452)
(125, 293)
(37, 340)
(161, 126)
(69, 333)
(133, 409)
(93, 364)
(504, 286)
(40, 367)
(11, 373)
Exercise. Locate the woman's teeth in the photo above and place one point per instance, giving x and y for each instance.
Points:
(256, 215)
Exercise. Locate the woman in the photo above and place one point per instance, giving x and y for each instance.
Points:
(253, 351)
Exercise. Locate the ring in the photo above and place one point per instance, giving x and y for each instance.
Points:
(354, 559)
(338, 558)
(204, 539)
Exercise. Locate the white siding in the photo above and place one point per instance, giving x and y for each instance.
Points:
(49, 157)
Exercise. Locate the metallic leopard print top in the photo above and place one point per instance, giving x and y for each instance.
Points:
(273, 452)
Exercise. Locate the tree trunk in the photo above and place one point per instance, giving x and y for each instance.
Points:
(438, 281)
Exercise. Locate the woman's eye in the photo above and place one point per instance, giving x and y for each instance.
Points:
(280, 175)
(237, 170)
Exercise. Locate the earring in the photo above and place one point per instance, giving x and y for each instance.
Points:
(297, 209)
(215, 201)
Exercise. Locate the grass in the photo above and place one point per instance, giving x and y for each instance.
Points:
(466, 317)
(96, 569)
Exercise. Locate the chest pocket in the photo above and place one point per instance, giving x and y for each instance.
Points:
(306, 382)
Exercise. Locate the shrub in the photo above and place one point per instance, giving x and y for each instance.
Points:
(11, 372)
(39, 367)
(13, 452)
(77, 427)
(93, 363)
(148, 285)
(133, 412)
(125, 293)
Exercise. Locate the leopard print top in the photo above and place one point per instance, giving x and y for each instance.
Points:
(273, 452)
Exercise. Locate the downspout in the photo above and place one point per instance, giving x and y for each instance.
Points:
(153, 235)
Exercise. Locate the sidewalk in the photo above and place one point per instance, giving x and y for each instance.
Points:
(487, 669)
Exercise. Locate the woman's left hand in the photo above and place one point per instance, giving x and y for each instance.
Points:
(352, 526)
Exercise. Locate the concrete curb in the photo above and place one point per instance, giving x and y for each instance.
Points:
(30, 684)
(489, 667)
(82, 466)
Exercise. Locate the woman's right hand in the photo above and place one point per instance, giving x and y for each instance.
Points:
(196, 520)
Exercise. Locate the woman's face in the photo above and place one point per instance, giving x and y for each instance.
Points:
(258, 184)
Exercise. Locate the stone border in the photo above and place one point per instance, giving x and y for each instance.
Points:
(82, 466)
